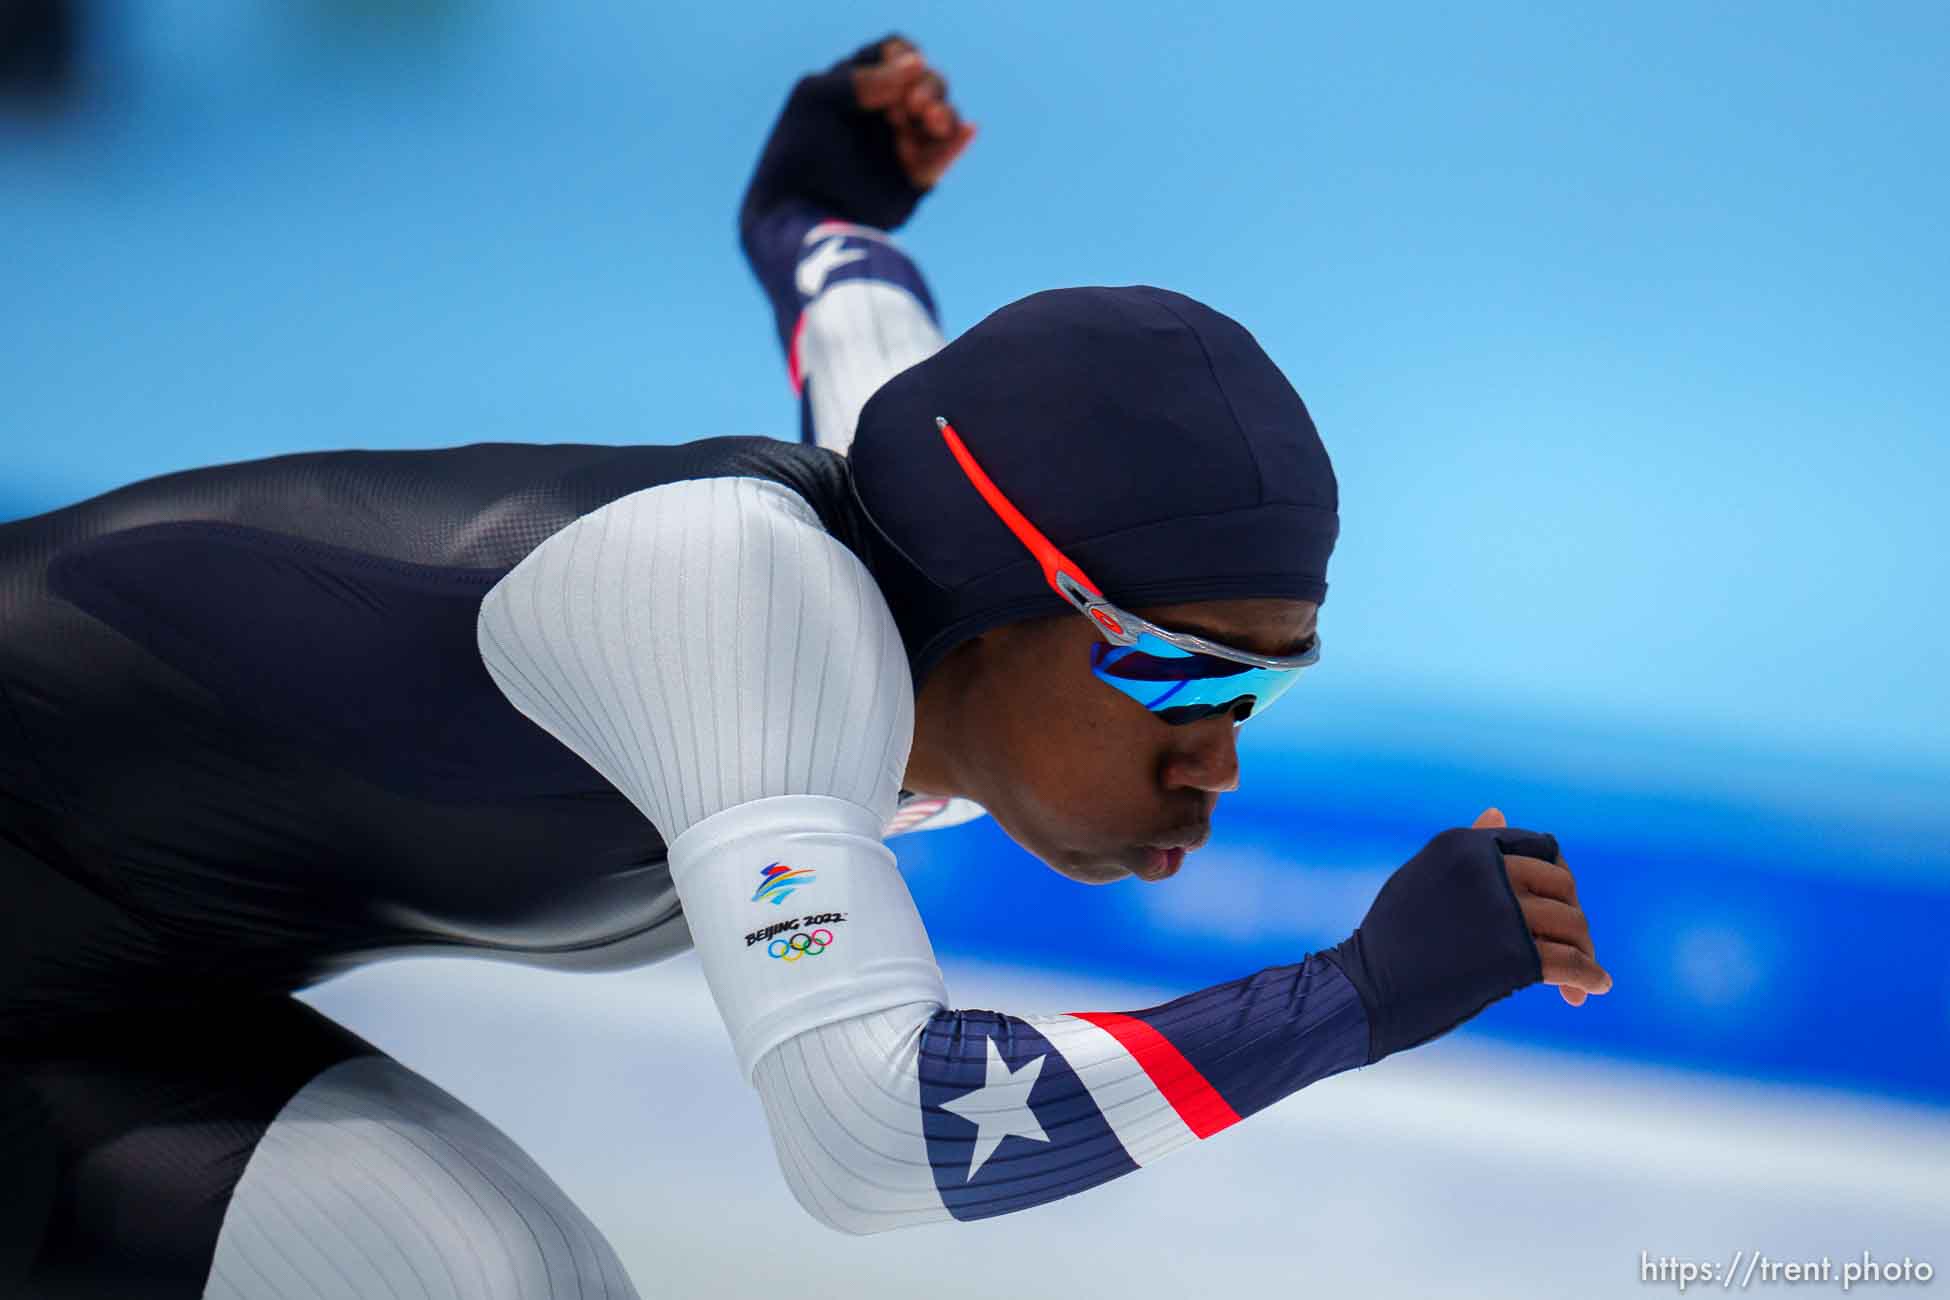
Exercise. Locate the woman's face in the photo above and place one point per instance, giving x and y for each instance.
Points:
(1077, 772)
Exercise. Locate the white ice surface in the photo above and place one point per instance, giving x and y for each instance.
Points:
(1461, 1169)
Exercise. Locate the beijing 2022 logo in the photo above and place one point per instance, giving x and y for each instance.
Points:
(777, 881)
(802, 944)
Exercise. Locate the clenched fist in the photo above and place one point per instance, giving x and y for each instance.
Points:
(862, 141)
(928, 134)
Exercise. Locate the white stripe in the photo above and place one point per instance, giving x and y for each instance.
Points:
(853, 338)
(1140, 1116)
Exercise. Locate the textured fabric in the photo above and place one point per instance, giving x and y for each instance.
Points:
(373, 1182)
(394, 688)
(703, 645)
(771, 668)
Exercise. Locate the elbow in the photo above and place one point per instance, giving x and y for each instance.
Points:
(861, 1194)
(856, 1168)
(851, 1224)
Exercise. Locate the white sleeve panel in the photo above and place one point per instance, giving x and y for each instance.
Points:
(704, 644)
(854, 337)
(800, 918)
(734, 671)
(844, 1106)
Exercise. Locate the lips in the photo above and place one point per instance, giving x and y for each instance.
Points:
(1163, 857)
(1160, 864)
(1190, 840)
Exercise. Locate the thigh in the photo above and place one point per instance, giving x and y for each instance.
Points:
(261, 1150)
(131, 1130)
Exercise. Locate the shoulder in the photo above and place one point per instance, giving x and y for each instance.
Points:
(704, 643)
(531, 511)
(678, 543)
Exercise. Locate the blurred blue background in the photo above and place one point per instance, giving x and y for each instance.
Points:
(1624, 328)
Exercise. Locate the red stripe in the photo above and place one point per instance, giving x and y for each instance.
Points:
(792, 354)
(1197, 1102)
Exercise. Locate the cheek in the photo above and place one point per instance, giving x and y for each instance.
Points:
(1085, 769)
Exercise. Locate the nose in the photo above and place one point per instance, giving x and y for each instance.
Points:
(1207, 758)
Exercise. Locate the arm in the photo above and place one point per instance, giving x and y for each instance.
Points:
(733, 670)
(922, 1112)
(852, 153)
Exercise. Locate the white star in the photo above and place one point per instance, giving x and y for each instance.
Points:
(1000, 1107)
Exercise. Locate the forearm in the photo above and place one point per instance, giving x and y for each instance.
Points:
(850, 307)
(853, 311)
(996, 1113)
(921, 1113)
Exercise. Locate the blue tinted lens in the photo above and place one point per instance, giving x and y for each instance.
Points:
(1181, 686)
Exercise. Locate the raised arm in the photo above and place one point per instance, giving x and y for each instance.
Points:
(734, 671)
(853, 151)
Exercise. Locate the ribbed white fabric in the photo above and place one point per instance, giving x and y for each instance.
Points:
(704, 644)
(373, 1182)
(734, 670)
(854, 337)
(844, 1105)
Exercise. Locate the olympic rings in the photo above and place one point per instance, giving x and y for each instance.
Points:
(800, 945)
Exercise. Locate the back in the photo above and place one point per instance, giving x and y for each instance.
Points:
(245, 704)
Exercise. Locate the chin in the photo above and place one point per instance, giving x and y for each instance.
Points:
(1086, 869)
(1085, 866)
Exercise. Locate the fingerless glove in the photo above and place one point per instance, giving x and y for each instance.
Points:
(827, 151)
(1444, 938)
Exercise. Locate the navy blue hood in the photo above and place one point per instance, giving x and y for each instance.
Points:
(1145, 434)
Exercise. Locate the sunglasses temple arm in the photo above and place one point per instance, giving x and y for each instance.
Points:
(1055, 564)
